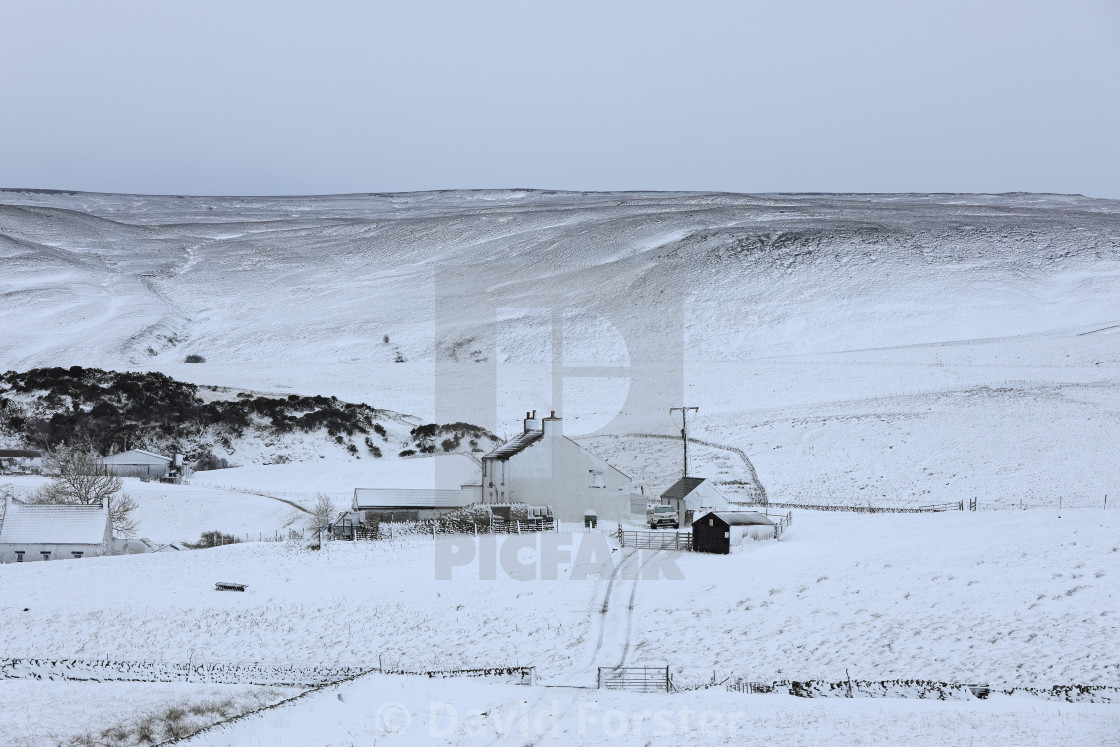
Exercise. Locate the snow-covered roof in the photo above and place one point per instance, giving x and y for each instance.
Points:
(64, 525)
(683, 487)
(374, 498)
(515, 445)
(739, 518)
(135, 456)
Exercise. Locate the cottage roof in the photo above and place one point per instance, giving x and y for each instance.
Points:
(380, 498)
(515, 445)
(64, 525)
(683, 487)
(135, 456)
(739, 518)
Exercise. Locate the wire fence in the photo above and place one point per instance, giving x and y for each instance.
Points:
(924, 505)
(299, 674)
(291, 495)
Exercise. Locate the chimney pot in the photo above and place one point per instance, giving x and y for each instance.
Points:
(534, 414)
(553, 414)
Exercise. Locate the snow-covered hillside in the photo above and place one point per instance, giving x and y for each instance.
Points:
(793, 321)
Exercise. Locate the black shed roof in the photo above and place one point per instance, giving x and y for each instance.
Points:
(739, 518)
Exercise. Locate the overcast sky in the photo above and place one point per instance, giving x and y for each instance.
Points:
(270, 97)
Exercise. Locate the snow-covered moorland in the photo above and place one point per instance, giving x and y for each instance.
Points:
(796, 322)
(856, 349)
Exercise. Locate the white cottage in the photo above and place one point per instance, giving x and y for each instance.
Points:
(49, 532)
(697, 495)
(542, 467)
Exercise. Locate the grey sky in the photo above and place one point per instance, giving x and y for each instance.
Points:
(274, 97)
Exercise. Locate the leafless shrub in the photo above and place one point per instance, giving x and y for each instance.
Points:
(321, 514)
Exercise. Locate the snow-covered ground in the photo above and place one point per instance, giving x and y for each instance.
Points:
(444, 472)
(1017, 598)
(174, 513)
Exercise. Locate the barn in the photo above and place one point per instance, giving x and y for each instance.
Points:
(51, 532)
(407, 504)
(137, 463)
(20, 461)
(693, 496)
(720, 531)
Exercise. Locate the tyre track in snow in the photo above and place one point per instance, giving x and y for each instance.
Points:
(605, 607)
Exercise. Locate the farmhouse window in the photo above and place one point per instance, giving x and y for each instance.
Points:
(76, 553)
(19, 555)
(46, 554)
(597, 478)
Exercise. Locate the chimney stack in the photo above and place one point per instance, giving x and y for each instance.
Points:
(553, 426)
(531, 422)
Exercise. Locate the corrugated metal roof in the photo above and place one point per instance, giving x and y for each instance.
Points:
(683, 487)
(377, 498)
(135, 456)
(740, 518)
(515, 445)
(69, 525)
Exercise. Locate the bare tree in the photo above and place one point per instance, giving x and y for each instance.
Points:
(82, 480)
(121, 513)
(322, 514)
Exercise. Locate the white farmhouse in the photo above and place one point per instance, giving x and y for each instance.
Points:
(38, 532)
(697, 495)
(542, 467)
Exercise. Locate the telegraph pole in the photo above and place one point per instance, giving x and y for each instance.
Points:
(684, 430)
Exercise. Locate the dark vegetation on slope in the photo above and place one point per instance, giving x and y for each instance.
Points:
(111, 411)
(448, 437)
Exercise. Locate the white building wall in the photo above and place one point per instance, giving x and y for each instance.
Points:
(32, 551)
(556, 471)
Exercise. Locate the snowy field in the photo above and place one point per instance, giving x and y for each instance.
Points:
(176, 513)
(1017, 598)
(338, 479)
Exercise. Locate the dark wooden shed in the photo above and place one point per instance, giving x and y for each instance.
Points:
(719, 531)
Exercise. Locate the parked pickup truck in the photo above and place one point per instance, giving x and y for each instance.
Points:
(663, 516)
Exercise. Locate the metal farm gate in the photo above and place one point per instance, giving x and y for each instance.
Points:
(656, 540)
(635, 679)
